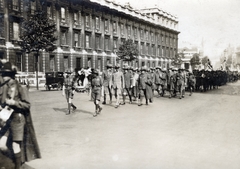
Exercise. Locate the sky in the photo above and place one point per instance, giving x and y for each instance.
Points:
(216, 23)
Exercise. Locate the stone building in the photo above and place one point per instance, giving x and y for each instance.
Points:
(89, 34)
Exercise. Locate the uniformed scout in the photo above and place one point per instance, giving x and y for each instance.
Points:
(69, 89)
(96, 91)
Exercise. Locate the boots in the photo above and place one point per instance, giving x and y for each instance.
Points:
(69, 109)
(73, 106)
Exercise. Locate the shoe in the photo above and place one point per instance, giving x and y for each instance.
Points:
(99, 110)
(183, 96)
(122, 103)
(94, 115)
(130, 102)
(150, 101)
(147, 103)
(68, 113)
(104, 102)
(116, 106)
(190, 94)
(140, 104)
(180, 97)
(74, 108)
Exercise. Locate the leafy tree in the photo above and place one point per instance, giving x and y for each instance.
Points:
(195, 60)
(177, 60)
(128, 51)
(205, 60)
(38, 35)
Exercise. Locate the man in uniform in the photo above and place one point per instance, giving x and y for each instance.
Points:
(134, 84)
(127, 86)
(68, 89)
(156, 79)
(143, 80)
(191, 82)
(107, 83)
(163, 81)
(14, 97)
(96, 91)
(118, 84)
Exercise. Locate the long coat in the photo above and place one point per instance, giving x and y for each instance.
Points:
(145, 83)
(128, 79)
(30, 149)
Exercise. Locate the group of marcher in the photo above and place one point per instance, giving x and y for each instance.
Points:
(18, 143)
(137, 84)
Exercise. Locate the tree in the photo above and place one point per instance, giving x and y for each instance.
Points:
(205, 60)
(195, 60)
(128, 51)
(38, 35)
(177, 60)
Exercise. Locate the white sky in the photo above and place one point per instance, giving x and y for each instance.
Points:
(217, 22)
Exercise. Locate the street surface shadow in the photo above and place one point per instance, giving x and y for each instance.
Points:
(64, 110)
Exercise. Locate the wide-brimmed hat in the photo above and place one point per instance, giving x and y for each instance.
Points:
(117, 67)
(144, 68)
(95, 71)
(109, 65)
(8, 67)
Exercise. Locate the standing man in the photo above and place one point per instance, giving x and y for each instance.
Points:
(127, 87)
(68, 89)
(191, 82)
(156, 80)
(19, 127)
(163, 81)
(96, 91)
(135, 84)
(107, 83)
(143, 80)
(118, 84)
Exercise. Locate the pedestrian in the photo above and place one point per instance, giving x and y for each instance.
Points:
(69, 85)
(127, 86)
(144, 79)
(157, 80)
(107, 83)
(163, 81)
(191, 82)
(118, 84)
(17, 135)
(134, 84)
(96, 91)
(149, 91)
(180, 83)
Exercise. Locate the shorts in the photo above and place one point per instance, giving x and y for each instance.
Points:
(17, 126)
(69, 93)
(96, 94)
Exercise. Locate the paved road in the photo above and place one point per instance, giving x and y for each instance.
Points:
(197, 132)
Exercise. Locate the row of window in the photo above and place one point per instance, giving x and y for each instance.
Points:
(108, 46)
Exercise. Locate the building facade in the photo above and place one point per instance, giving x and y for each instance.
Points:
(89, 34)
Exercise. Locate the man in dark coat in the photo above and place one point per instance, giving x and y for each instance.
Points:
(127, 87)
(18, 130)
(144, 80)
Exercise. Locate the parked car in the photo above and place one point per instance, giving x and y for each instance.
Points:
(54, 80)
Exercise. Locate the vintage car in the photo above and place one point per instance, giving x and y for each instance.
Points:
(54, 80)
